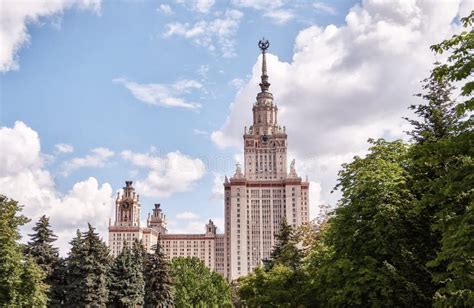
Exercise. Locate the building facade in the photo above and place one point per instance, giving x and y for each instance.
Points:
(256, 201)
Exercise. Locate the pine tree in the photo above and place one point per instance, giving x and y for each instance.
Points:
(285, 251)
(158, 281)
(126, 283)
(41, 249)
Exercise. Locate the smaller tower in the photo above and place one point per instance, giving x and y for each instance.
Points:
(157, 220)
(211, 229)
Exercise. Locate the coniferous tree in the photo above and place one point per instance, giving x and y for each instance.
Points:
(126, 283)
(74, 274)
(95, 265)
(59, 280)
(158, 281)
(285, 251)
(87, 266)
(41, 249)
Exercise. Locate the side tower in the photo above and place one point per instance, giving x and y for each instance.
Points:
(126, 226)
(257, 199)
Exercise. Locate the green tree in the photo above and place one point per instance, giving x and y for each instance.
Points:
(40, 247)
(442, 169)
(158, 281)
(194, 284)
(87, 266)
(74, 275)
(367, 258)
(279, 286)
(21, 279)
(33, 287)
(126, 283)
(285, 251)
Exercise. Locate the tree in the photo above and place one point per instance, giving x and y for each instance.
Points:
(126, 284)
(194, 284)
(442, 169)
(33, 287)
(21, 280)
(87, 266)
(95, 266)
(278, 286)
(285, 251)
(158, 281)
(74, 274)
(41, 249)
(367, 256)
(460, 62)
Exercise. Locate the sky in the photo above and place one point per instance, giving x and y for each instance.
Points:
(94, 93)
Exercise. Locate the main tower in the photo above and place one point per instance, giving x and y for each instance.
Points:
(257, 200)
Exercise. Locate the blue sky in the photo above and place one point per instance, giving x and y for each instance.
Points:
(121, 83)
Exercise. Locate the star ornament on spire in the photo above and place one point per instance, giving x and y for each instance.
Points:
(263, 44)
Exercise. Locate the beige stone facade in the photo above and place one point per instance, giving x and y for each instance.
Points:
(256, 200)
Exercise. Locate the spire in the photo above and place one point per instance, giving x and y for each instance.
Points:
(264, 44)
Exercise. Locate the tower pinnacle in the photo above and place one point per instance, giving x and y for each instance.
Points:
(264, 44)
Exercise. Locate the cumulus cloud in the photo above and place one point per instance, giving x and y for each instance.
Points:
(161, 94)
(217, 187)
(98, 158)
(214, 34)
(167, 174)
(18, 15)
(24, 178)
(64, 148)
(348, 83)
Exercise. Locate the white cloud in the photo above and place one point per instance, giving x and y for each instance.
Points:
(259, 4)
(237, 83)
(165, 9)
(280, 16)
(64, 148)
(98, 159)
(218, 187)
(200, 6)
(161, 94)
(200, 132)
(168, 174)
(347, 83)
(24, 178)
(324, 8)
(16, 16)
(214, 34)
(187, 216)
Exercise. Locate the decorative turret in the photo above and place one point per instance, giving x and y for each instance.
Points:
(157, 220)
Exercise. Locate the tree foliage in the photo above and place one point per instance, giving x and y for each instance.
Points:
(126, 283)
(195, 285)
(158, 282)
(21, 279)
